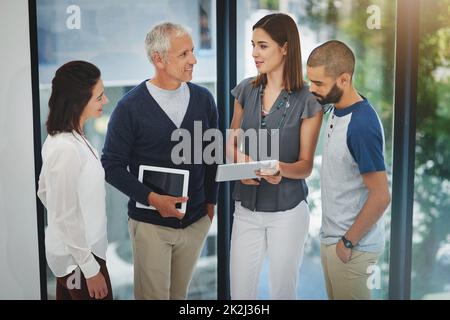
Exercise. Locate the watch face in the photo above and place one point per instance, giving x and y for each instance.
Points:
(347, 243)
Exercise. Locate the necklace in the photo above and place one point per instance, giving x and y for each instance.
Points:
(283, 103)
(82, 137)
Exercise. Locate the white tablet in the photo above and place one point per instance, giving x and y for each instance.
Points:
(244, 170)
(166, 181)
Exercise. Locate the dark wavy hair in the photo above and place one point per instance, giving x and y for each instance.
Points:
(71, 91)
(283, 29)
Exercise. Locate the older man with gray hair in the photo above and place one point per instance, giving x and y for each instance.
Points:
(166, 243)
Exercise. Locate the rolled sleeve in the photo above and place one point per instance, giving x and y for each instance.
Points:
(90, 268)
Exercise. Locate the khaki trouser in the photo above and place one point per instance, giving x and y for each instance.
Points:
(164, 258)
(346, 281)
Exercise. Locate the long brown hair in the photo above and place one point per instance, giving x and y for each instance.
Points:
(71, 91)
(282, 29)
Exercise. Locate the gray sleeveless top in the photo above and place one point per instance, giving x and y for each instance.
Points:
(287, 118)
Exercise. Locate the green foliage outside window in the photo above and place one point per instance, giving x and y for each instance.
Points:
(374, 77)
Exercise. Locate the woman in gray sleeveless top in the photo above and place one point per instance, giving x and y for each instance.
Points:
(272, 215)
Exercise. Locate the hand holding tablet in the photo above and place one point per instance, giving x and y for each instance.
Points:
(169, 190)
(167, 205)
(245, 170)
(271, 168)
(270, 173)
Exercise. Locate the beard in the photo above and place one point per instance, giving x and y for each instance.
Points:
(334, 96)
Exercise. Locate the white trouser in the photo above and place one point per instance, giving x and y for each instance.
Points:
(282, 235)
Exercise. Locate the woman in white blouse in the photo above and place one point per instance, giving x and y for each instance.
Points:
(72, 187)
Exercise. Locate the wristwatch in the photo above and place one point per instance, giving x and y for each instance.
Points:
(347, 243)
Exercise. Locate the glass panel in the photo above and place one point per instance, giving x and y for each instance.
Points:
(111, 35)
(368, 27)
(431, 223)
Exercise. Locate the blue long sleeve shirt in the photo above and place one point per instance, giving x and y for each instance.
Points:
(139, 133)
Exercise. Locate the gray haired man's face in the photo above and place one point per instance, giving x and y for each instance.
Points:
(179, 63)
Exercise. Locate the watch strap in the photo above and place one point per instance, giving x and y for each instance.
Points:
(347, 243)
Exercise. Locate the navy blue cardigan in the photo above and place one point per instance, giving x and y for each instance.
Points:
(139, 133)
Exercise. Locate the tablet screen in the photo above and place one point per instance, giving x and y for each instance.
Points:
(165, 181)
(170, 184)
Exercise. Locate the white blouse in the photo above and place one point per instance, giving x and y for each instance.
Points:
(72, 188)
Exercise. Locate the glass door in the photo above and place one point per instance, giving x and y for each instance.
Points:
(111, 35)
